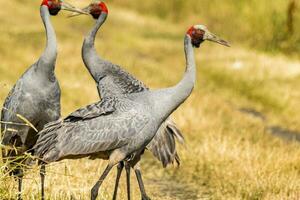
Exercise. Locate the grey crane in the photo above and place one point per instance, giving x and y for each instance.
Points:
(35, 96)
(118, 128)
(112, 80)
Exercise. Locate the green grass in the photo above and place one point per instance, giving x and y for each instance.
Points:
(228, 154)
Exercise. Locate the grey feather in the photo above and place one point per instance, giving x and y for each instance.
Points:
(121, 134)
(163, 144)
(105, 106)
(112, 80)
(104, 132)
(35, 96)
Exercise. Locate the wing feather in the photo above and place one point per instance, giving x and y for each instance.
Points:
(116, 81)
(107, 132)
(163, 145)
(103, 107)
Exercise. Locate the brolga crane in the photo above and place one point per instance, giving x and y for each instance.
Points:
(112, 80)
(34, 97)
(118, 128)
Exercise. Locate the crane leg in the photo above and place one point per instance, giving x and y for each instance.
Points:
(42, 174)
(140, 182)
(119, 172)
(127, 168)
(95, 189)
(20, 180)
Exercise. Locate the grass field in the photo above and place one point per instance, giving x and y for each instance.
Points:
(228, 154)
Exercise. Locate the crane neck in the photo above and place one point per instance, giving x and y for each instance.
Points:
(89, 54)
(188, 81)
(171, 98)
(47, 61)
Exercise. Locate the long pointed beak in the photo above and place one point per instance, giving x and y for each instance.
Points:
(68, 7)
(213, 38)
(83, 11)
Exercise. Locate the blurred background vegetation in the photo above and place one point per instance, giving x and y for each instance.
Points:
(261, 24)
(229, 155)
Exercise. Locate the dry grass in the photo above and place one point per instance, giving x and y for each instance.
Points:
(228, 154)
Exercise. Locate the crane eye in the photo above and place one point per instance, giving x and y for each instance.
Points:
(54, 8)
(197, 37)
(95, 11)
(54, 11)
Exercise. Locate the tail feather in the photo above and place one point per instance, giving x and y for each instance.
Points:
(52, 126)
(177, 159)
(163, 145)
(175, 131)
(47, 139)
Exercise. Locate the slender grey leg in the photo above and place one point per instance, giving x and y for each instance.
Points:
(20, 179)
(120, 169)
(95, 189)
(42, 174)
(127, 168)
(140, 181)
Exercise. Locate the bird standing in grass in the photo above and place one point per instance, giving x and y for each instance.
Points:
(112, 80)
(34, 99)
(119, 127)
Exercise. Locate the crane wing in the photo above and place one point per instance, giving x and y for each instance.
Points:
(6, 104)
(9, 114)
(117, 81)
(105, 135)
(88, 137)
(103, 107)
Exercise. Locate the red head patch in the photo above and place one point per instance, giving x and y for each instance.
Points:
(54, 6)
(51, 3)
(103, 7)
(97, 8)
(197, 35)
(191, 31)
(45, 2)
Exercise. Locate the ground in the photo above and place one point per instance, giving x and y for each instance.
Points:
(228, 154)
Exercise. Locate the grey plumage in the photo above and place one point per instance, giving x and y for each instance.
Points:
(111, 124)
(163, 145)
(35, 96)
(112, 80)
(120, 134)
(119, 127)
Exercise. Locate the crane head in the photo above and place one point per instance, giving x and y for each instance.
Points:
(55, 6)
(96, 8)
(199, 33)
